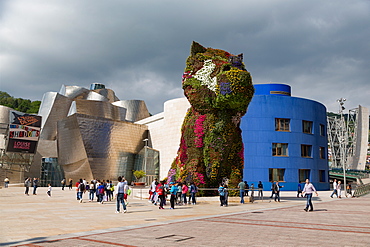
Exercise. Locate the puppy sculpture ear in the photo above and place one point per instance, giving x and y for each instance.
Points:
(197, 48)
(241, 56)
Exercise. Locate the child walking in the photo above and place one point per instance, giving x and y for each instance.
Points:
(49, 190)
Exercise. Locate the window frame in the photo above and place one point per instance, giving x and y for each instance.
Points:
(322, 130)
(276, 149)
(285, 122)
(322, 153)
(275, 174)
(304, 174)
(310, 125)
(304, 151)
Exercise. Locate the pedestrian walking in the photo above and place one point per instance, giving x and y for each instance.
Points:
(299, 190)
(48, 192)
(160, 189)
(221, 192)
(334, 189)
(35, 184)
(179, 194)
(6, 182)
(63, 182)
(277, 188)
(246, 188)
(108, 190)
(308, 190)
(272, 189)
(80, 190)
(260, 190)
(173, 193)
(70, 184)
(101, 192)
(153, 185)
(185, 190)
(241, 187)
(92, 191)
(27, 184)
(193, 190)
(339, 189)
(127, 191)
(120, 195)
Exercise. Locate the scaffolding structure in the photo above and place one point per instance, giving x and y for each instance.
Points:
(342, 136)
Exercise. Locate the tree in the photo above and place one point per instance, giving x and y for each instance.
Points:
(19, 104)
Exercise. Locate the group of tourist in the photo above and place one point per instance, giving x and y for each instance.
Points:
(244, 189)
(177, 191)
(337, 189)
(28, 182)
(103, 190)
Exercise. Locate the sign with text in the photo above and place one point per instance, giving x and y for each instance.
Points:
(21, 146)
(24, 132)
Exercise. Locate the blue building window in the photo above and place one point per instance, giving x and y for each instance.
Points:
(276, 174)
(304, 174)
(307, 127)
(282, 124)
(322, 153)
(280, 149)
(322, 130)
(306, 151)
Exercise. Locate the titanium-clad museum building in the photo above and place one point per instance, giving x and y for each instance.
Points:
(90, 133)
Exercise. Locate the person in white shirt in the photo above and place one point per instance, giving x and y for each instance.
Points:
(334, 189)
(120, 192)
(339, 189)
(308, 190)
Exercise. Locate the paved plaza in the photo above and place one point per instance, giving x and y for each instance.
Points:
(60, 220)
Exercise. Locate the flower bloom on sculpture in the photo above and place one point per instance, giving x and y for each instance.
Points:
(198, 131)
(204, 75)
(225, 88)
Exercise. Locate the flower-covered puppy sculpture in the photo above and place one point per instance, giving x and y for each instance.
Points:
(219, 89)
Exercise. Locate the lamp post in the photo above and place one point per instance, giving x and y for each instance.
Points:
(343, 142)
(145, 153)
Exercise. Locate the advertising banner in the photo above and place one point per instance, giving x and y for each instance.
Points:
(24, 132)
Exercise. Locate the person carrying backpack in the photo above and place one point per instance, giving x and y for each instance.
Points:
(80, 190)
(221, 191)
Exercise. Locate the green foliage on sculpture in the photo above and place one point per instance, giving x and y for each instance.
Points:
(219, 89)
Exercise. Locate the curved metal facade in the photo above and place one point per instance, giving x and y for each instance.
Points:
(261, 138)
(90, 136)
(136, 109)
(95, 147)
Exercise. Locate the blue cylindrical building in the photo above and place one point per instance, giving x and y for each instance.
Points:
(284, 139)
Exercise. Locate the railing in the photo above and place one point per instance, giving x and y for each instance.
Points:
(362, 190)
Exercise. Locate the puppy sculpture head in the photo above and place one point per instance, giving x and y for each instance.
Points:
(215, 80)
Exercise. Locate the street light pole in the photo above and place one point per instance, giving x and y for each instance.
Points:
(343, 142)
(145, 154)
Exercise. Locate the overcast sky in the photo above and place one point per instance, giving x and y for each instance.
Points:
(138, 48)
